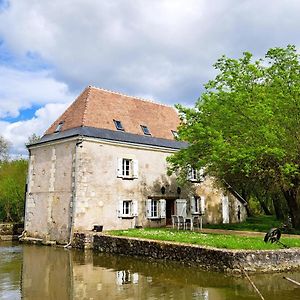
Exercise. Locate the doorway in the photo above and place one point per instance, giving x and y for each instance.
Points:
(170, 210)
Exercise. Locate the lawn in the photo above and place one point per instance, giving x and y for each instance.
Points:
(203, 239)
(257, 223)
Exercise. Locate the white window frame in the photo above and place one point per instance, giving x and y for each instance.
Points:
(127, 168)
(197, 204)
(195, 175)
(156, 209)
(127, 209)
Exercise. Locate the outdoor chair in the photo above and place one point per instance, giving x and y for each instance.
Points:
(181, 223)
(188, 223)
(197, 222)
(174, 221)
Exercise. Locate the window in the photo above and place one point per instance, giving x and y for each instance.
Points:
(59, 127)
(127, 209)
(146, 130)
(156, 209)
(118, 125)
(197, 204)
(195, 175)
(175, 134)
(127, 168)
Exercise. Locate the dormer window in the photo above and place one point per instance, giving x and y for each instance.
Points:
(146, 130)
(175, 134)
(59, 126)
(118, 125)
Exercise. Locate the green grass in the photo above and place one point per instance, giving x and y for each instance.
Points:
(197, 238)
(257, 223)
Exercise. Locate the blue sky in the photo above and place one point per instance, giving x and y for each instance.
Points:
(158, 49)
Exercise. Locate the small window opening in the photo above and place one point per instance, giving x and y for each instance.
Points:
(126, 167)
(119, 125)
(145, 130)
(127, 208)
(59, 126)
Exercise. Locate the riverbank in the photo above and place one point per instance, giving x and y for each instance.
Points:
(208, 258)
(10, 231)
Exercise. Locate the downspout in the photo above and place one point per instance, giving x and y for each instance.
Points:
(73, 199)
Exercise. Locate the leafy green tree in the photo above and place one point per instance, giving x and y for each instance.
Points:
(245, 128)
(12, 189)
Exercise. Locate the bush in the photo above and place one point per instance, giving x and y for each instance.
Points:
(12, 190)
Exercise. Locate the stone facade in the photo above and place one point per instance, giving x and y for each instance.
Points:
(50, 191)
(74, 185)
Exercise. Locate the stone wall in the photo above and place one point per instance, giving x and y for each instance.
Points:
(204, 257)
(50, 191)
(10, 231)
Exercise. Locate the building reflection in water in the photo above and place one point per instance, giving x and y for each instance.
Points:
(55, 273)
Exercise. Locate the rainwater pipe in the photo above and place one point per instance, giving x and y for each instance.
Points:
(72, 204)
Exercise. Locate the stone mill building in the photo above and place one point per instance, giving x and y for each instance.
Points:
(103, 163)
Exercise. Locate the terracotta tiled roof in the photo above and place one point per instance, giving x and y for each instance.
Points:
(98, 108)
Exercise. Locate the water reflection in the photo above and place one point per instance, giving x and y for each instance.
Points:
(55, 273)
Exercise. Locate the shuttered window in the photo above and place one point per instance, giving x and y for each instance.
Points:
(156, 209)
(127, 168)
(127, 209)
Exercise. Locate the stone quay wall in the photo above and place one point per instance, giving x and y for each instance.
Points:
(10, 231)
(232, 261)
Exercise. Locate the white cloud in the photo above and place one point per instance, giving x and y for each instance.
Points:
(17, 133)
(23, 89)
(162, 48)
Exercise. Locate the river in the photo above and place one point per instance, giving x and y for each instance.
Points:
(40, 272)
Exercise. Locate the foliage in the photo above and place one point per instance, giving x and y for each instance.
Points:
(12, 189)
(203, 239)
(4, 147)
(34, 138)
(245, 128)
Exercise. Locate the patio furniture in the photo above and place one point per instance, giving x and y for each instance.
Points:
(181, 222)
(174, 221)
(188, 223)
(197, 222)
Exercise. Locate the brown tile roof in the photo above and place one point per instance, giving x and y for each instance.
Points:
(98, 108)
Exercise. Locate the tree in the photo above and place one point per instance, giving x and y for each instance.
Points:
(4, 147)
(245, 128)
(12, 189)
(34, 138)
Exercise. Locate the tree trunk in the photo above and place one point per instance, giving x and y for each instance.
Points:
(248, 210)
(294, 209)
(264, 207)
(278, 207)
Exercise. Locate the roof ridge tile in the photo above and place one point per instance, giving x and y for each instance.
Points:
(128, 96)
